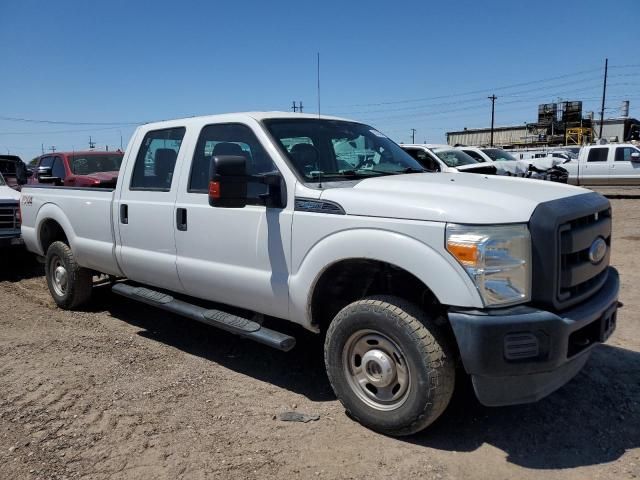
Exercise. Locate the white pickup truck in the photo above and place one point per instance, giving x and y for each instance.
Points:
(610, 164)
(409, 275)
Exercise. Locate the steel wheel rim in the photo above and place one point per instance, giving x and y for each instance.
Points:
(59, 277)
(376, 370)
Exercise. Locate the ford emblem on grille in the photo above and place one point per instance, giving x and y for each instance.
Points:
(598, 250)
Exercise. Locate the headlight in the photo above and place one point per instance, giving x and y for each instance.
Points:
(497, 258)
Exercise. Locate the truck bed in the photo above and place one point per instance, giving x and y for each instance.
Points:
(85, 215)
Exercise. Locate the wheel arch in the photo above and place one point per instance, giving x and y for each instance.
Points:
(53, 225)
(402, 257)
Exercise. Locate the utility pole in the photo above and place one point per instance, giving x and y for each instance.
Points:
(294, 107)
(413, 135)
(92, 144)
(300, 106)
(52, 148)
(493, 99)
(42, 147)
(604, 94)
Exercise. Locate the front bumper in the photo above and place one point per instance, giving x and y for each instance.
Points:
(10, 239)
(522, 354)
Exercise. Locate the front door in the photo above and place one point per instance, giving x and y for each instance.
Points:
(236, 256)
(595, 171)
(623, 171)
(145, 210)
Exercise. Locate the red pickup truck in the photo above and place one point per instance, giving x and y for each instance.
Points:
(78, 169)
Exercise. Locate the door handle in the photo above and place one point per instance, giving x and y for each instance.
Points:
(124, 213)
(181, 219)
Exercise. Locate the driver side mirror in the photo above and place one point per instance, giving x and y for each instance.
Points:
(44, 176)
(44, 172)
(635, 157)
(228, 181)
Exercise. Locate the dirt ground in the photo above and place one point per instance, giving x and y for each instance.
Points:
(126, 391)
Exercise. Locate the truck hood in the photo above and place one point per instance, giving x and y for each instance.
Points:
(448, 197)
(8, 193)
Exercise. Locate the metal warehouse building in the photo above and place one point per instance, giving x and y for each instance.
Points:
(614, 129)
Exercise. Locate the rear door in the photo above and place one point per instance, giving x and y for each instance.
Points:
(623, 171)
(144, 209)
(595, 169)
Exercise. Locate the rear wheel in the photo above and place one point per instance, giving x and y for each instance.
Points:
(70, 285)
(389, 365)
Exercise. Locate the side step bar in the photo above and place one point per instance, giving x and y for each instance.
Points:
(216, 318)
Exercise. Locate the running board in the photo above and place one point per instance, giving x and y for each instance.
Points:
(216, 318)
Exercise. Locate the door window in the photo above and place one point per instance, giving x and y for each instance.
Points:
(475, 155)
(598, 155)
(424, 159)
(46, 162)
(58, 169)
(156, 160)
(623, 154)
(230, 139)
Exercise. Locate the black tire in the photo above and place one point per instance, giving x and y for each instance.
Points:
(424, 352)
(76, 288)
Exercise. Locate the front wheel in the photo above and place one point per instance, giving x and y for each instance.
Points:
(70, 285)
(389, 365)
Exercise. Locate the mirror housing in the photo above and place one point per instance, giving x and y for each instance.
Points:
(635, 157)
(228, 181)
(44, 172)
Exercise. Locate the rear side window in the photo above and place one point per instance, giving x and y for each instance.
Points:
(229, 139)
(156, 160)
(598, 155)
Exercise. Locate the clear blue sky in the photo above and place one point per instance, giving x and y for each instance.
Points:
(381, 62)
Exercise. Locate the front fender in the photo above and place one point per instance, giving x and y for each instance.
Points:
(447, 280)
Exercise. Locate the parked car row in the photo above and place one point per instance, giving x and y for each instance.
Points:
(329, 224)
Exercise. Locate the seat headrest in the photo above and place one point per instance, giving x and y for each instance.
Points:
(304, 151)
(165, 160)
(227, 148)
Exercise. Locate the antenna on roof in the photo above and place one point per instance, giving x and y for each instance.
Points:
(318, 70)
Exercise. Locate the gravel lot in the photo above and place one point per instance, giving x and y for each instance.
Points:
(125, 391)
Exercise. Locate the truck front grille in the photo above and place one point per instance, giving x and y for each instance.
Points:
(8, 217)
(579, 276)
(563, 233)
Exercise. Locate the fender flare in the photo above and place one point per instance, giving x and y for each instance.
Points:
(447, 280)
(50, 211)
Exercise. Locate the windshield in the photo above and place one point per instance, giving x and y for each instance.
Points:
(333, 148)
(2, 182)
(498, 155)
(454, 158)
(87, 164)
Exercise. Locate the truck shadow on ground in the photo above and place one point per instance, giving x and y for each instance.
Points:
(592, 420)
(301, 370)
(17, 264)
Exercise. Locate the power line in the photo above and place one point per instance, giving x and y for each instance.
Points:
(483, 91)
(59, 122)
